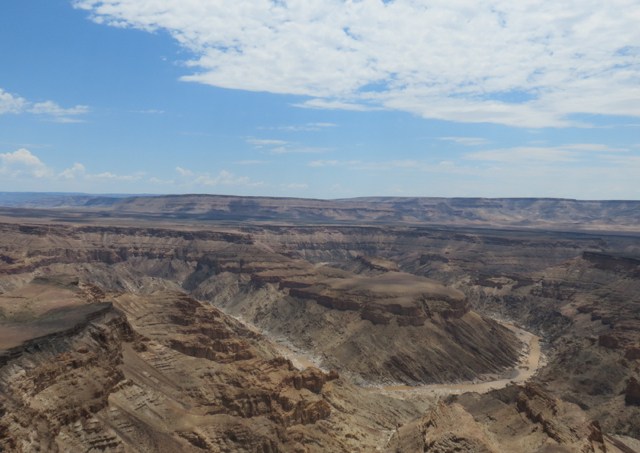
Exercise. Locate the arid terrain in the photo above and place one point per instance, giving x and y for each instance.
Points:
(228, 324)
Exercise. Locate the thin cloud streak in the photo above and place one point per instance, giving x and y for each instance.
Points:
(466, 141)
(277, 146)
(525, 154)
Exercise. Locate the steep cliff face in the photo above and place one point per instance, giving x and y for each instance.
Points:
(525, 419)
(59, 382)
(163, 373)
(387, 328)
(587, 307)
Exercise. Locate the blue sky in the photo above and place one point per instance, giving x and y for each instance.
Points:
(321, 98)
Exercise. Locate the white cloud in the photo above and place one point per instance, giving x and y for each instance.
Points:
(387, 165)
(150, 112)
(582, 170)
(594, 147)
(466, 141)
(22, 163)
(276, 146)
(524, 63)
(11, 103)
(323, 163)
(160, 181)
(262, 142)
(184, 172)
(525, 154)
(302, 127)
(57, 113)
(22, 156)
(329, 104)
(109, 176)
(23, 168)
(321, 125)
(76, 171)
(295, 149)
(223, 178)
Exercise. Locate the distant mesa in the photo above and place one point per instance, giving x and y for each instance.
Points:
(545, 213)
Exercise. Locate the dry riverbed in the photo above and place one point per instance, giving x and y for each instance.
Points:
(531, 359)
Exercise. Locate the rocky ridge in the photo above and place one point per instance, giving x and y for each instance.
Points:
(166, 373)
(487, 212)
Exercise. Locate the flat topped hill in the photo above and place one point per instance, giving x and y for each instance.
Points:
(399, 286)
(45, 307)
(547, 213)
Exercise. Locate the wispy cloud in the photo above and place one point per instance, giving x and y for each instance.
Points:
(149, 112)
(293, 148)
(14, 104)
(75, 171)
(24, 165)
(331, 104)
(78, 172)
(184, 172)
(109, 176)
(25, 168)
(466, 141)
(222, 178)
(307, 127)
(524, 154)
(276, 146)
(263, 142)
(295, 186)
(324, 163)
(594, 147)
(370, 165)
(57, 113)
(525, 63)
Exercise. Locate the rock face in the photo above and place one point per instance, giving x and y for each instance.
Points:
(447, 428)
(409, 299)
(514, 419)
(632, 392)
(387, 328)
(579, 291)
(158, 373)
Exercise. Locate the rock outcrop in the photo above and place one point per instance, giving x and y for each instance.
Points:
(524, 419)
(163, 373)
(632, 392)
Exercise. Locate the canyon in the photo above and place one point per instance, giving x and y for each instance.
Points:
(216, 323)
